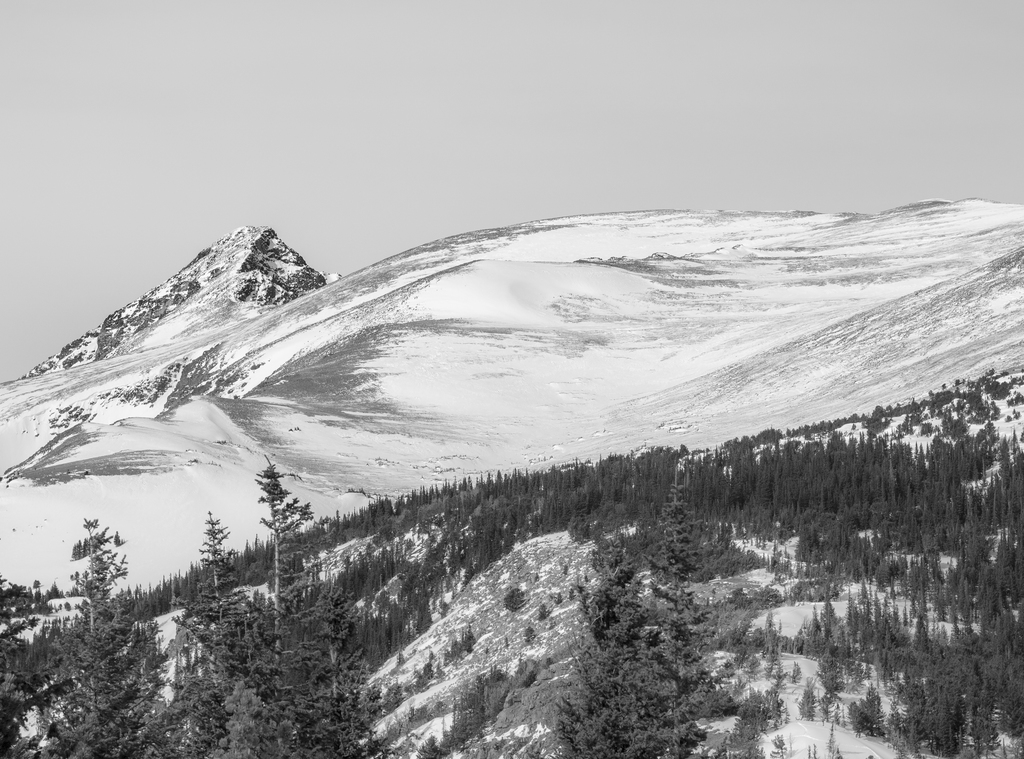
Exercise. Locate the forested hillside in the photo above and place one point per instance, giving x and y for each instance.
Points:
(896, 534)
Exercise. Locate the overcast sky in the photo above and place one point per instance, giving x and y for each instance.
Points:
(132, 135)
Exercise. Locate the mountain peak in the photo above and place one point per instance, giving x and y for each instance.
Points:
(252, 265)
(257, 267)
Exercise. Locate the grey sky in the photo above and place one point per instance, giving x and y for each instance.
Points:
(132, 135)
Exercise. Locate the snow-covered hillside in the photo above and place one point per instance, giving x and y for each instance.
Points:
(515, 347)
(154, 481)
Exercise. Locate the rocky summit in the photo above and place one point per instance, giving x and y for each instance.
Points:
(251, 265)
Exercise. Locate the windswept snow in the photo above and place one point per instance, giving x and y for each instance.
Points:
(152, 482)
(516, 347)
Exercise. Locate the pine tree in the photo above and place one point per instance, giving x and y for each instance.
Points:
(285, 521)
(227, 641)
(238, 693)
(636, 676)
(673, 561)
(515, 599)
(831, 676)
(755, 715)
(333, 711)
(808, 702)
(866, 715)
(97, 581)
(115, 665)
(618, 707)
(430, 749)
(832, 750)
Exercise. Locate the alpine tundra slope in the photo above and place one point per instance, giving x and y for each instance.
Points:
(524, 346)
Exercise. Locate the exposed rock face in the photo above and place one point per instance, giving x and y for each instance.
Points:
(549, 571)
(527, 725)
(272, 273)
(251, 265)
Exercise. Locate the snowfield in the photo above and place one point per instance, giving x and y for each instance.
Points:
(153, 482)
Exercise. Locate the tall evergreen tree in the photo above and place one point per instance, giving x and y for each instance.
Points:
(673, 561)
(808, 704)
(227, 639)
(866, 715)
(332, 710)
(627, 699)
(617, 707)
(287, 517)
(238, 692)
(114, 662)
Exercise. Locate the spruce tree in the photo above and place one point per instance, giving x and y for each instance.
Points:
(672, 562)
(332, 709)
(808, 702)
(430, 749)
(286, 519)
(636, 674)
(866, 715)
(832, 748)
(617, 707)
(97, 581)
(114, 663)
(831, 675)
(239, 693)
(227, 640)
(755, 716)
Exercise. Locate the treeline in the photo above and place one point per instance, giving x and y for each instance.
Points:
(858, 504)
(466, 526)
(965, 402)
(867, 508)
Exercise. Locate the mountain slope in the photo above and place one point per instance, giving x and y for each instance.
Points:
(956, 328)
(515, 347)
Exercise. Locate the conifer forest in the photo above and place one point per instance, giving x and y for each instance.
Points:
(897, 533)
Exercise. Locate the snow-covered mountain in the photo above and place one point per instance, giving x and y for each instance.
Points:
(515, 347)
